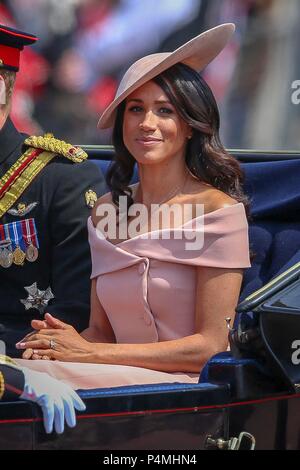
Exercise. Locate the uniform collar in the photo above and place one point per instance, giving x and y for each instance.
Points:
(10, 139)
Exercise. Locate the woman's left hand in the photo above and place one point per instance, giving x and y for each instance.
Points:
(58, 341)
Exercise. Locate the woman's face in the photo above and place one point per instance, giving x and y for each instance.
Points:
(153, 131)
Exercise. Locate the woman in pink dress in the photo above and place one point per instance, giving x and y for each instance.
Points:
(161, 286)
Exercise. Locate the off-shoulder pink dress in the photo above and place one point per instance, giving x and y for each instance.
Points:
(146, 286)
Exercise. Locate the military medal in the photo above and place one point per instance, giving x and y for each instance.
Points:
(37, 298)
(6, 258)
(18, 256)
(32, 253)
(18, 242)
(14, 230)
(29, 234)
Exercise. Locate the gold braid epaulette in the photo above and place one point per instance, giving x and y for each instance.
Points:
(50, 144)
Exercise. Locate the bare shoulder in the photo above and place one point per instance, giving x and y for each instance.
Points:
(219, 200)
(211, 197)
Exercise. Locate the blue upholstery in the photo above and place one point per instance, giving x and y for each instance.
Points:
(150, 388)
(274, 192)
(163, 396)
(222, 359)
(103, 165)
(225, 359)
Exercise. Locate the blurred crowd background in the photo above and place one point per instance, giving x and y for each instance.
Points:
(72, 73)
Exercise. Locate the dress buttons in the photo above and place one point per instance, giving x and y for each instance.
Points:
(142, 268)
(148, 320)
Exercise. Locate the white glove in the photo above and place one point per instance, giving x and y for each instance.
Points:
(57, 400)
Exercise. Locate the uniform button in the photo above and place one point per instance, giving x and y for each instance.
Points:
(142, 268)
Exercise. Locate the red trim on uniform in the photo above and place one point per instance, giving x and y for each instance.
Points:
(19, 35)
(13, 389)
(19, 170)
(10, 56)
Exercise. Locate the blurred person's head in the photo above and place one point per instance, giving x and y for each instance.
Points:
(12, 43)
(7, 81)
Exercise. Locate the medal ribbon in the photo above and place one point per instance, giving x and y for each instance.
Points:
(20, 235)
(29, 232)
(6, 231)
(15, 233)
(2, 233)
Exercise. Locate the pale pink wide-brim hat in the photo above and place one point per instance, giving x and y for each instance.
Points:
(197, 53)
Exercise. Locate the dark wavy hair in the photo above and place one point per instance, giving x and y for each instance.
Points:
(206, 158)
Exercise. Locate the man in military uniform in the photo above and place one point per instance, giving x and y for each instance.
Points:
(57, 400)
(46, 194)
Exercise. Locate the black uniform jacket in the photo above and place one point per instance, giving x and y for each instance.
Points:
(60, 212)
(12, 379)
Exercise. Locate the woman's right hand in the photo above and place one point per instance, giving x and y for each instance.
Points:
(36, 325)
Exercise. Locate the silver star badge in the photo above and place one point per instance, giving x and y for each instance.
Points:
(37, 298)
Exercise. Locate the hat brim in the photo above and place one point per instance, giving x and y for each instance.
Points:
(196, 53)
